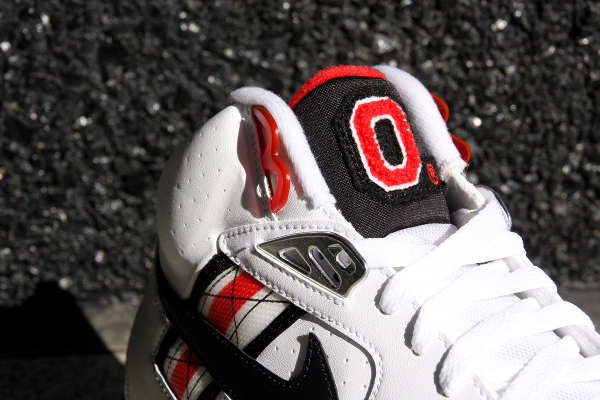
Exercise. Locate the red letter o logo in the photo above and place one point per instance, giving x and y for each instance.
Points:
(366, 113)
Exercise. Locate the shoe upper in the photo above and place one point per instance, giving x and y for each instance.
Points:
(384, 266)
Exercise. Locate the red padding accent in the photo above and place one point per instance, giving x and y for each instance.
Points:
(326, 74)
(463, 148)
(442, 106)
(183, 372)
(268, 139)
(231, 298)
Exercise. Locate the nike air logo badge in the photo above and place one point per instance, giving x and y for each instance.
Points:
(240, 376)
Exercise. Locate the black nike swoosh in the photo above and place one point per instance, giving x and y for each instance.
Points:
(240, 376)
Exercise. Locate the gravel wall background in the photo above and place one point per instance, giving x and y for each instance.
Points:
(95, 95)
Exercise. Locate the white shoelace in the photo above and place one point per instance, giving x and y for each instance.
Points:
(440, 281)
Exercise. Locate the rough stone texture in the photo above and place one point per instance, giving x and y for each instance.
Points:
(95, 95)
(587, 300)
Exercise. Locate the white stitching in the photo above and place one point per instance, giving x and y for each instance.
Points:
(246, 230)
(328, 212)
(299, 303)
(321, 316)
(293, 227)
(329, 297)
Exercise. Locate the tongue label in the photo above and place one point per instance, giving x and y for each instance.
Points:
(378, 151)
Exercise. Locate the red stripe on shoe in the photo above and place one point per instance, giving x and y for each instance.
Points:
(183, 372)
(326, 74)
(231, 298)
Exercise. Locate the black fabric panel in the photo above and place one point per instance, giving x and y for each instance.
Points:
(384, 131)
(211, 392)
(324, 113)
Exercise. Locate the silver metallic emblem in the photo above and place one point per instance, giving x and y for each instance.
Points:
(326, 259)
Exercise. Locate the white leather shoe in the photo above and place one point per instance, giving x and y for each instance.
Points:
(332, 249)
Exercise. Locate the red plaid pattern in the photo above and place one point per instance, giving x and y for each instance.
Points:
(236, 304)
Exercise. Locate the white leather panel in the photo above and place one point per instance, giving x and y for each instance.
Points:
(206, 187)
(350, 365)
(408, 376)
(213, 183)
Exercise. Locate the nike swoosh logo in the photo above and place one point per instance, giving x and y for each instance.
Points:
(240, 376)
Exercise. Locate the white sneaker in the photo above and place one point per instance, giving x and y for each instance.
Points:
(332, 249)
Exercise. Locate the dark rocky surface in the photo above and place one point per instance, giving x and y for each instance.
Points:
(95, 95)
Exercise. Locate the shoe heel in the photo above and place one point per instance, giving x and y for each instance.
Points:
(142, 379)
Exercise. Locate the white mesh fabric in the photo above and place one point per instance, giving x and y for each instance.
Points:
(477, 312)
(575, 391)
(504, 363)
(499, 361)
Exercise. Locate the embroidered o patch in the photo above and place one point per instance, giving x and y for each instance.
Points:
(383, 154)
(367, 117)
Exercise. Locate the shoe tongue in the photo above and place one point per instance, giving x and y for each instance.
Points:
(368, 151)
